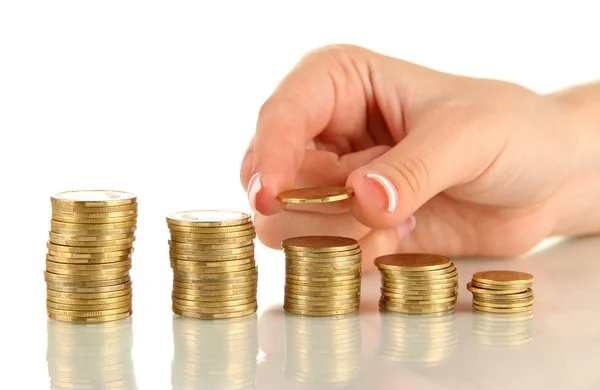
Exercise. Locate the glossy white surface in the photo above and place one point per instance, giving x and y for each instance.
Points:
(559, 348)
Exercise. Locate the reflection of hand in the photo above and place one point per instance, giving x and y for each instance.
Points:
(484, 165)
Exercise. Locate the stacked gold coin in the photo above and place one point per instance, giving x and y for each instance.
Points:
(502, 291)
(89, 256)
(497, 331)
(417, 283)
(96, 356)
(322, 350)
(212, 257)
(427, 340)
(217, 355)
(322, 275)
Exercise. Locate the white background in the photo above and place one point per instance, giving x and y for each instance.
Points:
(160, 99)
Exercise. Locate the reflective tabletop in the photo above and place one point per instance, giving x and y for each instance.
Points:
(557, 347)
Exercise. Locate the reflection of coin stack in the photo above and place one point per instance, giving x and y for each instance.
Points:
(322, 275)
(94, 356)
(89, 256)
(503, 331)
(426, 340)
(417, 283)
(212, 257)
(322, 350)
(219, 354)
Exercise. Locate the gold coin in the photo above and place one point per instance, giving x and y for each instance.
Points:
(104, 289)
(319, 244)
(341, 261)
(99, 301)
(322, 272)
(425, 310)
(211, 258)
(214, 264)
(93, 221)
(316, 313)
(216, 252)
(220, 309)
(90, 227)
(87, 314)
(92, 215)
(93, 198)
(58, 278)
(89, 320)
(90, 239)
(90, 256)
(323, 284)
(504, 305)
(212, 306)
(115, 272)
(507, 278)
(102, 260)
(241, 241)
(88, 267)
(211, 270)
(415, 261)
(217, 286)
(209, 247)
(213, 316)
(417, 303)
(247, 228)
(410, 272)
(212, 235)
(89, 308)
(208, 218)
(312, 279)
(61, 286)
(403, 278)
(316, 195)
(51, 294)
(128, 231)
(87, 244)
(236, 296)
(420, 283)
(492, 297)
(340, 297)
(60, 207)
(476, 290)
(87, 250)
(428, 295)
(522, 287)
(506, 310)
(321, 293)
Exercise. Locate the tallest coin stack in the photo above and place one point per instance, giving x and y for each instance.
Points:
(89, 256)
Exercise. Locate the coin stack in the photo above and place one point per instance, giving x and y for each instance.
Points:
(322, 350)
(502, 291)
(426, 340)
(417, 283)
(497, 331)
(89, 256)
(322, 275)
(216, 355)
(212, 257)
(96, 356)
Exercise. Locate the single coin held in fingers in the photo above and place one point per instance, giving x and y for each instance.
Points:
(316, 195)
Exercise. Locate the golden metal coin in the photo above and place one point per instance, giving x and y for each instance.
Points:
(417, 310)
(91, 238)
(103, 260)
(417, 303)
(313, 285)
(87, 314)
(213, 316)
(87, 244)
(104, 289)
(216, 252)
(209, 247)
(216, 286)
(212, 306)
(128, 231)
(60, 207)
(407, 288)
(338, 295)
(92, 215)
(93, 221)
(485, 297)
(58, 278)
(320, 244)
(317, 278)
(213, 264)
(506, 278)
(51, 294)
(87, 250)
(211, 258)
(90, 227)
(403, 278)
(89, 308)
(93, 198)
(99, 301)
(208, 218)
(88, 267)
(89, 320)
(211, 235)
(247, 228)
(88, 273)
(429, 295)
(506, 310)
(211, 270)
(209, 310)
(320, 293)
(498, 305)
(317, 313)
(515, 286)
(90, 256)
(414, 261)
(316, 195)
(324, 261)
(476, 290)
(214, 240)
(190, 295)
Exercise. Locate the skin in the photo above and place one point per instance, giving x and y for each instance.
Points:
(487, 168)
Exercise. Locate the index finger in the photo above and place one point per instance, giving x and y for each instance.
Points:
(298, 110)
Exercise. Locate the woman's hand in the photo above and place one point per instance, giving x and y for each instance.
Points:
(482, 165)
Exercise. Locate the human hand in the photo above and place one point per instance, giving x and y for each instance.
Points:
(482, 164)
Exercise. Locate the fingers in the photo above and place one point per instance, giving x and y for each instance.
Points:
(433, 157)
(300, 109)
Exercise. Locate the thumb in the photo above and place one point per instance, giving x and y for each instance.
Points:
(426, 162)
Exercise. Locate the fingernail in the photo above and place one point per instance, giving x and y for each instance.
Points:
(407, 227)
(389, 188)
(253, 187)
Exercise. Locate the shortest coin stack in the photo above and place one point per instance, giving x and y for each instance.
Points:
(502, 291)
(89, 256)
(322, 275)
(212, 257)
(417, 283)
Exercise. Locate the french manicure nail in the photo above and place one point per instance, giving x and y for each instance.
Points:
(253, 187)
(389, 188)
(406, 227)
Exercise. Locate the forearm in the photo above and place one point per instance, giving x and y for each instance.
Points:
(578, 202)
